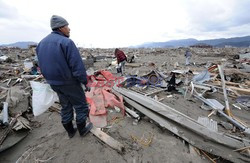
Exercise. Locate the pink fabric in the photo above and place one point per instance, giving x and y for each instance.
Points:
(100, 96)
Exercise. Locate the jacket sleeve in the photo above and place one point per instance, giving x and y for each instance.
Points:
(75, 63)
(126, 58)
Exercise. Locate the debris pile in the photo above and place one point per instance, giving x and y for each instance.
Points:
(205, 104)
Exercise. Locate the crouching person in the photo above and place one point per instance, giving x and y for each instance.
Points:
(62, 67)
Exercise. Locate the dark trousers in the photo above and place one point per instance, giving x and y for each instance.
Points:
(72, 96)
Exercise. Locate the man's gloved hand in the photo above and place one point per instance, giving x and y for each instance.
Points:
(85, 88)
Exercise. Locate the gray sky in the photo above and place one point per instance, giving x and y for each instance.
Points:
(118, 23)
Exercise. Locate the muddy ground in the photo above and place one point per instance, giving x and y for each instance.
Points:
(48, 141)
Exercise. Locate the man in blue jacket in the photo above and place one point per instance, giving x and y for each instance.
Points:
(62, 67)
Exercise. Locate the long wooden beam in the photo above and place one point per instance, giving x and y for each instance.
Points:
(187, 135)
(183, 120)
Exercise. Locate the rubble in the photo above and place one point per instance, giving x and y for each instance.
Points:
(201, 104)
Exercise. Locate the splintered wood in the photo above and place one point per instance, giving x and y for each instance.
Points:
(108, 140)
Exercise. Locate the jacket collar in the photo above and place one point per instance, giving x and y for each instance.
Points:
(58, 32)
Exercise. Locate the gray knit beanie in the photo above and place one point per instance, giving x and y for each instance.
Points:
(57, 22)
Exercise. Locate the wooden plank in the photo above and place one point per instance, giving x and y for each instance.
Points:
(227, 83)
(240, 90)
(108, 140)
(230, 71)
(8, 129)
(160, 120)
(208, 157)
(223, 84)
(132, 113)
(156, 91)
(132, 64)
(187, 135)
(240, 149)
(202, 87)
(4, 88)
(182, 119)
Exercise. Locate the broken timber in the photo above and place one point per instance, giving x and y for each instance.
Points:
(107, 139)
(192, 138)
(243, 91)
(132, 113)
(227, 109)
(7, 130)
(182, 125)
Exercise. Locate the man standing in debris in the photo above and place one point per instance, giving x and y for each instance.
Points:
(121, 60)
(188, 56)
(62, 67)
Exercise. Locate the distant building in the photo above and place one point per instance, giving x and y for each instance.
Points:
(201, 45)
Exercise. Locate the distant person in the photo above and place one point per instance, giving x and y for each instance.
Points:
(131, 59)
(121, 60)
(188, 56)
(62, 67)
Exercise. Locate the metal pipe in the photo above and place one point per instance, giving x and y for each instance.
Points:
(237, 124)
(1, 117)
(5, 114)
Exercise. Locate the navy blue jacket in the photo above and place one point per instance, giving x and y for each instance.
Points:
(60, 61)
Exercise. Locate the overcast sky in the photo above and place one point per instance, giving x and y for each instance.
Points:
(119, 23)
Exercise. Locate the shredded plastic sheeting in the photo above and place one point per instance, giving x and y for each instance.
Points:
(101, 97)
(202, 77)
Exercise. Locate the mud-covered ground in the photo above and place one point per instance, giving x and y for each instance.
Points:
(48, 141)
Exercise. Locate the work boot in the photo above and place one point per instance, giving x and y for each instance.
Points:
(70, 129)
(83, 128)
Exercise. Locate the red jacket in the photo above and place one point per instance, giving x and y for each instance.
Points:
(120, 56)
